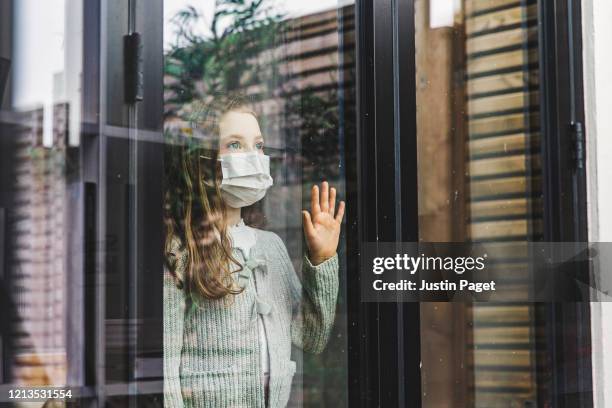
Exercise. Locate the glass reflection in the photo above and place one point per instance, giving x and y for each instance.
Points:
(286, 58)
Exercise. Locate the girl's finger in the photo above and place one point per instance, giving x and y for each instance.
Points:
(308, 227)
(314, 201)
(325, 197)
(340, 213)
(332, 201)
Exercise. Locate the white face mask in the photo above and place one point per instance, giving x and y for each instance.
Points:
(246, 177)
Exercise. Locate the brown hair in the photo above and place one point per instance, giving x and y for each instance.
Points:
(194, 211)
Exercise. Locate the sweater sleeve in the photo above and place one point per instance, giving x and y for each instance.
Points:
(174, 311)
(314, 301)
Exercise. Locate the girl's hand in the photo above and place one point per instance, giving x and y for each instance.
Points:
(322, 227)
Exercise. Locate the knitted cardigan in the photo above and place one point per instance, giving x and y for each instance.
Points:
(211, 347)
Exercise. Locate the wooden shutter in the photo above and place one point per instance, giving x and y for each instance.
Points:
(504, 185)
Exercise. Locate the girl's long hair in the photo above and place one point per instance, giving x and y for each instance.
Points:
(194, 212)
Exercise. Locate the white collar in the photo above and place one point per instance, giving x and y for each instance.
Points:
(242, 237)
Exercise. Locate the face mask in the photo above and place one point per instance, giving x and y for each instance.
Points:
(246, 177)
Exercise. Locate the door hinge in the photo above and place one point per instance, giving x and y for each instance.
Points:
(133, 73)
(579, 148)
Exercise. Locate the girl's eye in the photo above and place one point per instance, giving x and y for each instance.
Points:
(233, 145)
(259, 146)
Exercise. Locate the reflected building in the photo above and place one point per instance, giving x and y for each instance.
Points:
(35, 228)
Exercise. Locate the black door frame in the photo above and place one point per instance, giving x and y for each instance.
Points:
(384, 346)
(568, 325)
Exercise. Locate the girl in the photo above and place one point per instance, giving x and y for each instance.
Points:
(233, 304)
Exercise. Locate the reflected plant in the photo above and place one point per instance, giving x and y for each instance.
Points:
(315, 118)
(235, 52)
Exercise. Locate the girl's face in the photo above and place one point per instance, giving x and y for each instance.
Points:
(239, 133)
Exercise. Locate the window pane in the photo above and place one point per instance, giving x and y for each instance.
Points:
(287, 69)
(479, 180)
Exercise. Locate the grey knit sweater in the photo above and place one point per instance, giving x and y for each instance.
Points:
(211, 347)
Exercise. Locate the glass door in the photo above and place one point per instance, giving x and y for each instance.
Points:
(132, 131)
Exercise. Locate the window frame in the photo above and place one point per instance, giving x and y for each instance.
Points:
(567, 325)
(384, 361)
